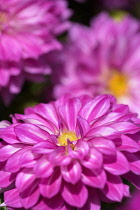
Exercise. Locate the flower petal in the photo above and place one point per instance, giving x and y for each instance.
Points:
(72, 172)
(93, 201)
(8, 135)
(48, 112)
(128, 144)
(93, 178)
(103, 131)
(82, 126)
(12, 164)
(75, 195)
(44, 147)
(114, 189)
(81, 149)
(106, 147)
(133, 178)
(6, 178)
(69, 112)
(120, 166)
(8, 150)
(93, 160)
(50, 186)
(24, 179)
(43, 168)
(12, 199)
(134, 162)
(54, 203)
(30, 134)
(95, 108)
(125, 127)
(30, 196)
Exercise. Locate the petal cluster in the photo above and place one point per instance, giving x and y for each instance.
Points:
(28, 29)
(99, 147)
(102, 58)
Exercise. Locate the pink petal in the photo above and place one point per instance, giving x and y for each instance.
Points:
(30, 196)
(133, 178)
(126, 190)
(81, 149)
(69, 112)
(114, 189)
(128, 144)
(125, 127)
(82, 126)
(93, 201)
(8, 150)
(103, 131)
(12, 164)
(95, 108)
(59, 157)
(75, 195)
(44, 147)
(93, 178)
(93, 160)
(48, 112)
(12, 199)
(9, 135)
(24, 179)
(54, 203)
(134, 162)
(72, 172)
(120, 166)
(112, 117)
(106, 147)
(50, 186)
(43, 168)
(30, 134)
(6, 178)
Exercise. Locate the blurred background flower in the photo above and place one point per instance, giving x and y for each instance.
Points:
(28, 29)
(102, 58)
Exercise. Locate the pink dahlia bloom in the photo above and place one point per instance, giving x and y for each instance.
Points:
(102, 58)
(71, 153)
(28, 29)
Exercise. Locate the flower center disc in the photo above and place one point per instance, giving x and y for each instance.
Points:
(3, 19)
(117, 84)
(64, 137)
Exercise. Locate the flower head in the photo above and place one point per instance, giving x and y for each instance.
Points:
(69, 153)
(28, 29)
(102, 58)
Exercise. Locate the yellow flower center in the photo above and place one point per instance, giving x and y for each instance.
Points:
(64, 137)
(3, 19)
(118, 84)
(118, 15)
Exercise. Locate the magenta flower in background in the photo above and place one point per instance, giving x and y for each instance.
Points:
(28, 29)
(102, 58)
(69, 153)
(132, 203)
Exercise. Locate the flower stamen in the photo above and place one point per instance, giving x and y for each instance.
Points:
(3, 19)
(118, 84)
(64, 137)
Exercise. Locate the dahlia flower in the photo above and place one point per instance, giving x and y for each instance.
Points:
(27, 30)
(70, 153)
(102, 58)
